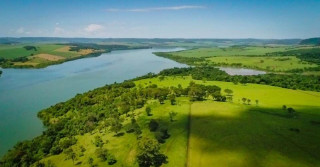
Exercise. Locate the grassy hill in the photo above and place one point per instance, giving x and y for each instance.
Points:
(97, 127)
(310, 41)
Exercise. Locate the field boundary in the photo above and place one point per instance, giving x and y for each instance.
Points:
(188, 134)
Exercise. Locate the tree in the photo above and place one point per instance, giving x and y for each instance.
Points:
(230, 98)
(161, 99)
(257, 102)
(172, 99)
(229, 92)
(196, 92)
(148, 111)
(284, 107)
(291, 110)
(149, 153)
(161, 78)
(71, 154)
(172, 114)
(116, 125)
(102, 153)
(162, 135)
(98, 141)
(248, 100)
(153, 125)
(244, 100)
(111, 159)
(125, 108)
(90, 161)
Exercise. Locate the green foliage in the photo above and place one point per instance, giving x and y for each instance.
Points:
(30, 48)
(111, 159)
(310, 41)
(153, 125)
(102, 153)
(148, 111)
(149, 153)
(229, 92)
(172, 114)
(302, 82)
(98, 141)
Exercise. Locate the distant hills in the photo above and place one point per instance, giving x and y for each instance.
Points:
(310, 41)
(248, 41)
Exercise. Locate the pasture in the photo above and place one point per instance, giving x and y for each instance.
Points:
(237, 134)
(210, 133)
(268, 58)
(44, 54)
(231, 51)
(268, 63)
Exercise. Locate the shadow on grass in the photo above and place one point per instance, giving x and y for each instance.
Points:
(258, 134)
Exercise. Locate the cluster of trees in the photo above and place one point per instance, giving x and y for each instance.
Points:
(30, 48)
(290, 110)
(180, 59)
(103, 109)
(301, 82)
(198, 92)
(311, 55)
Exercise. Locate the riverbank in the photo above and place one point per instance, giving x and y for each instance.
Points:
(44, 55)
(24, 92)
(280, 59)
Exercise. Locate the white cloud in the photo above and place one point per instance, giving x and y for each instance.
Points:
(58, 30)
(156, 8)
(20, 30)
(93, 28)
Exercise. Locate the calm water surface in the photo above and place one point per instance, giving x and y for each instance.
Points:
(23, 92)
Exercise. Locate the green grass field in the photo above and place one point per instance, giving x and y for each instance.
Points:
(231, 51)
(14, 51)
(271, 63)
(255, 57)
(237, 134)
(219, 133)
(45, 54)
(124, 148)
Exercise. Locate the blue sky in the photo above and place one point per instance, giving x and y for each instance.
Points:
(160, 19)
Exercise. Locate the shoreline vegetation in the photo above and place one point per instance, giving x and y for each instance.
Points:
(151, 111)
(44, 55)
(275, 59)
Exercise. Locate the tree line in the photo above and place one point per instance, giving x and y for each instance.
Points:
(302, 82)
(105, 109)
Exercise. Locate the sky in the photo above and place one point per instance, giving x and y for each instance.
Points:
(268, 19)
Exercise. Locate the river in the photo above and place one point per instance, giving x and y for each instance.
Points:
(23, 92)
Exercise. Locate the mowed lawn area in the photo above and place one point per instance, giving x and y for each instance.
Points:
(237, 134)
